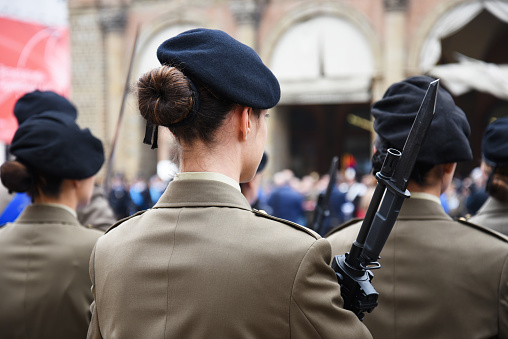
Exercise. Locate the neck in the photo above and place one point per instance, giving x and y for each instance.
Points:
(221, 159)
(433, 189)
(437, 180)
(66, 197)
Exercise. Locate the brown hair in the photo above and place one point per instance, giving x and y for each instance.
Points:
(499, 187)
(166, 97)
(19, 178)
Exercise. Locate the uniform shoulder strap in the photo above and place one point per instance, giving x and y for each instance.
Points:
(263, 214)
(119, 222)
(483, 229)
(343, 226)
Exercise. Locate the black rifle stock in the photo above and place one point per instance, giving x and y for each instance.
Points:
(353, 269)
(322, 208)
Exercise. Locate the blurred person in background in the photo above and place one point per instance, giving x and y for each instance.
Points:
(44, 254)
(156, 187)
(453, 200)
(119, 197)
(494, 213)
(140, 194)
(286, 202)
(354, 191)
(476, 189)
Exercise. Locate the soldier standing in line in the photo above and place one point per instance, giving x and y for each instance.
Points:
(439, 278)
(201, 263)
(45, 252)
(494, 213)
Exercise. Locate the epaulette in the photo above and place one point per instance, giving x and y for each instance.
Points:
(124, 219)
(343, 226)
(484, 229)
(261, 213)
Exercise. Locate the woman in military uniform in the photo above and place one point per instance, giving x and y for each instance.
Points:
(494, 213)
(439, 278)
(44, 253)
(201, 263)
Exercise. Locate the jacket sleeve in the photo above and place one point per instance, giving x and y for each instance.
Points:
(93, 329)
(316, 305)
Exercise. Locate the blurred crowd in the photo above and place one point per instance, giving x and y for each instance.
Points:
(294, 198)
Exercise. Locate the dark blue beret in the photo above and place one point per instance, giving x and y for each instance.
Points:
(226, 66)
(495, 143)
(49, 140)
(447, 138)
(37, 102)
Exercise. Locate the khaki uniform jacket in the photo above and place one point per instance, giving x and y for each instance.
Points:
(493, 214)
(202, 264)
(438, 278)
(44, 282)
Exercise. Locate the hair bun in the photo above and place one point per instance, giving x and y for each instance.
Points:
(164, 96)
(16, 177)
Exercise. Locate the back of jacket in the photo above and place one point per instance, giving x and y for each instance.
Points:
(201, 264)
(438, 278)
(44, 282)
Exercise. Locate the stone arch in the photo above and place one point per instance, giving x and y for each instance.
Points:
(307, 12)
(153, 34)
(328, 99)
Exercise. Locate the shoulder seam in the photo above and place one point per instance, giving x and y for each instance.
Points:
(287, 222)
(119, 222)
(484, 229)
(343, 226)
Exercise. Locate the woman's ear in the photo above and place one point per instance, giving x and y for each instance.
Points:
(449, 167)
(245, 123)
(75, 183)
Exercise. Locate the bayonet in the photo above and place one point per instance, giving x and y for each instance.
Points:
(353, 269)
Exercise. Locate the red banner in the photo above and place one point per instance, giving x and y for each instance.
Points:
(32, 56)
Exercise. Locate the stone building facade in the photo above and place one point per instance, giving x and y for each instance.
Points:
(332, 58)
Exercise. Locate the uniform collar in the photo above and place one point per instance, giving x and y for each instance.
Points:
(202, 193)
(422, 209)
(67, 208)
(425, 196)
(207, 176)
(47, 213)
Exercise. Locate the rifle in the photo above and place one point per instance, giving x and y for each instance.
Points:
(353, 269)
(322, 208)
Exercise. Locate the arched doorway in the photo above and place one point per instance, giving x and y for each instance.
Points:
(325, 67)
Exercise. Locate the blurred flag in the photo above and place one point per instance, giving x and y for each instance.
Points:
(34, 54)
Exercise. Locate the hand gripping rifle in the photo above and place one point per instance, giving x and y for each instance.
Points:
(353, 269)
(322, 209)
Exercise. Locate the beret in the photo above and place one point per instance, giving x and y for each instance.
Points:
(447, 138)
(495, 143)
(37, 102)
(49, 140)
(226, 66)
